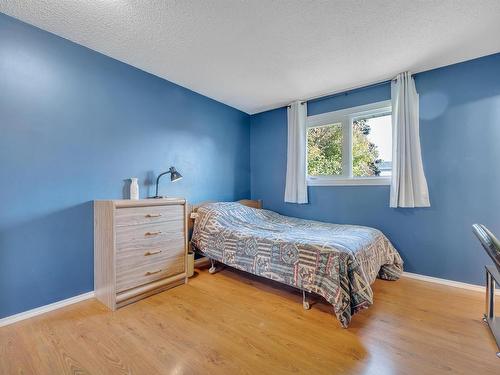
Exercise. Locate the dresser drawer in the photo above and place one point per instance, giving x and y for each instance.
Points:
(148, 215)
(147, 236)
(131, 257)
(128, 278)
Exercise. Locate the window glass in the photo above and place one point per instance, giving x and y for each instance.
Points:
(372, 146)
(324, 150)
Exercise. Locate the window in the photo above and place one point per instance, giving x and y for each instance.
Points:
(351, 146)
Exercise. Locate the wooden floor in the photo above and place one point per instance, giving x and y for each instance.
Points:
(232, 323)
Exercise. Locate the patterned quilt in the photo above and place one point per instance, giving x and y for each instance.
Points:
(338, 262)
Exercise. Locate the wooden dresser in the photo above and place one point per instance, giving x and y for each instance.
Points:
(140, 248)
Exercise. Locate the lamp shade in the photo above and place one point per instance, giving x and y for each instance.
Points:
(174, 175)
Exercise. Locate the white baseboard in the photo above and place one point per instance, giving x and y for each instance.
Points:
(455, 284)
(43, 309)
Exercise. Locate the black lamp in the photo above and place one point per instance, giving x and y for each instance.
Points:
(174, 176)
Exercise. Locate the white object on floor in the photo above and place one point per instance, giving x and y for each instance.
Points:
(190, 264)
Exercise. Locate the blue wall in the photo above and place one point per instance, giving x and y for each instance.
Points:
(460, 136)
(73, 125)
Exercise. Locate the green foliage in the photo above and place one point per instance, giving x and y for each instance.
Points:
(324, 151)
(365, 155)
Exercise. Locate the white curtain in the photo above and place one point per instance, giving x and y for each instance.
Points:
(296, 173)
(408, 185)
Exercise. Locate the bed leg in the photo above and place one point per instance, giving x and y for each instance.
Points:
(305, 301)
(212, 269)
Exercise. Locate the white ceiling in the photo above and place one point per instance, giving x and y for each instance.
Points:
(261, 54)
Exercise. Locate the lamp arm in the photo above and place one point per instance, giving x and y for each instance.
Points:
(158, 180)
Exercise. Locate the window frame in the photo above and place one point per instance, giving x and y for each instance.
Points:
(346, 117)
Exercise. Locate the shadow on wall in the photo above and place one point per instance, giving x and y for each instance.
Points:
(148, 183)
(46, 259)
(126, 188)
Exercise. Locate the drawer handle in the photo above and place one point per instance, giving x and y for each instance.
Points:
(152, 233)
(152, 252)
(152, 272)
(153, 215)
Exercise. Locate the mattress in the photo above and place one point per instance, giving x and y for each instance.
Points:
(338, 262)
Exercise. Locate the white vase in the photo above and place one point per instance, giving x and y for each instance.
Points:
(134, 189)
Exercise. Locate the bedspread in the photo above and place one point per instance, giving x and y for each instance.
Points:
(338, 262)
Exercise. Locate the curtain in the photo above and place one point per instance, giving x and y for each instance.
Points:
(296, 173)
(408, 185)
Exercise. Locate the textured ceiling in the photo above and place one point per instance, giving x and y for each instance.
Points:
(260, 54)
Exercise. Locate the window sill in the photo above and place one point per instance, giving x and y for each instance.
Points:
(345, 181)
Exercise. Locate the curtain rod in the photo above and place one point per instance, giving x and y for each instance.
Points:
(345, 92)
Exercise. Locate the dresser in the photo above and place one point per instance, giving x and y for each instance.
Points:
(140, 248)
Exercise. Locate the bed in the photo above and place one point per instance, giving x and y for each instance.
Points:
(337, 262)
